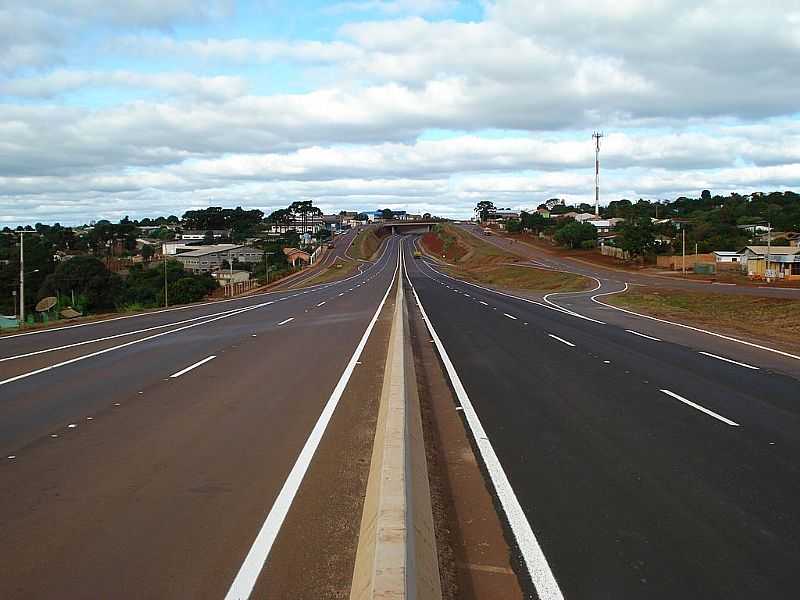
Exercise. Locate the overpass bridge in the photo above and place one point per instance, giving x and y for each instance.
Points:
(406, 227)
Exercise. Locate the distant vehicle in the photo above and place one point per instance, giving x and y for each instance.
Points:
(331, 245)
(487, 232)
(417, 254)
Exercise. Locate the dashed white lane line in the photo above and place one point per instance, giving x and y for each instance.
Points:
(194, 366)
(562, 340)
(342, 294)
(700, 408)
(285, 321)
(248, 573)
(510, 316)
(484, 303)
(649, 337)
(321, 303)
(539, 569)
(728, 360)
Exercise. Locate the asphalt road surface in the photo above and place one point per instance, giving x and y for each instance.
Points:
(649, 460)
(142, 455)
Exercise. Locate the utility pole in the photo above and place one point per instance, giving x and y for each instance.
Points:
(683, 238)
(769, 250)
(166, 297)
(22, 276)
(596, 137)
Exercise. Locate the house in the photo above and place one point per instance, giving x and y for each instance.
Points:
(174, 247)
(603, 225)
(544, 212)
(312, 224)
(397, 215)
(194, 234)
(206, 259)
(580, 217)
(726, 256)
(332, 222)
(297, 257)
(775, 262)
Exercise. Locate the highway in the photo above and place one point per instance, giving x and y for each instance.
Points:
(142, 456)
(220, 450)
(648, 461)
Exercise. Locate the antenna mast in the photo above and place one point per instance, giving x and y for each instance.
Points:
(596, 137)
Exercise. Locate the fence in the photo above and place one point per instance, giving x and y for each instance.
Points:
(234, 289)
(615, 252)
(674, 262)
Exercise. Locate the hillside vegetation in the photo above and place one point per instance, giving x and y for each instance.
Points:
(474, 260)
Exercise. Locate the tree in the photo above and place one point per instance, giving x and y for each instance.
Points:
(533, 221)
(514, 226)
(191, 289)
(147, 252)
(387, 214)
(87, 277)
(483, 208)
(208, 238)
(573, 234)
(636, 236)
(705, 195)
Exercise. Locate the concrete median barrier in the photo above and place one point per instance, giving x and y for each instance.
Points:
(396, 555)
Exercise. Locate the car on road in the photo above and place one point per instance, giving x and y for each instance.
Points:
(331, 245)
(417, 254)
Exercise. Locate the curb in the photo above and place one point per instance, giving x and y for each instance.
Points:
(396, 555)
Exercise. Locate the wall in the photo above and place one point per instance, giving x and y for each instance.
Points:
(674, 262)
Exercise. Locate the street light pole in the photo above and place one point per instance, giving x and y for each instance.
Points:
(22, 276)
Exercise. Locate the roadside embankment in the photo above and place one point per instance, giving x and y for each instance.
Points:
(471, 259)
(367, 243)
(754, 317)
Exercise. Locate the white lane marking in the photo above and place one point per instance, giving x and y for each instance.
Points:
(728, 360)
(698, 329)
(700, 408)
(246, 578)
(316, 287)
(553, 307)
(467, 295)
(194, 366)
(562, 340)
(510, 316)
(285, 321)
(113, 337)
(126, 344)
(484, 303)
(342, 294)
(321, 303)
(542, 576)
(649, 337)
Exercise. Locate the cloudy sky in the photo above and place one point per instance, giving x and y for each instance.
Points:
(150, 107)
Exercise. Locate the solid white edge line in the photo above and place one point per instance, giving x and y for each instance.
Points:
(728, 360)
(542, 576)
(649, 337)
(194, 366)
(562, 340)
(315, 287)
(691, 327)
(285, 321)
(115, 336)
(553, 307)
(248, 574)
(711, 413)
(126, 344)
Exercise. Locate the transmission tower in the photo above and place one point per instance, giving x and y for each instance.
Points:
(596, 138)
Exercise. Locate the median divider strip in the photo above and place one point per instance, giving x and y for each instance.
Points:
(396, 555)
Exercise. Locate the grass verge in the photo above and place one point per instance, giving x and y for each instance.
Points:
(366, 244)
(338, 270)
(474, 260)
(775, 319)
